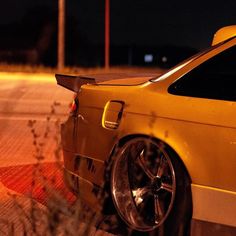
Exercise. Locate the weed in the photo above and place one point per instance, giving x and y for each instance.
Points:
(57, 216)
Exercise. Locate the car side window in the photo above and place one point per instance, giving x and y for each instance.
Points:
(213, 79)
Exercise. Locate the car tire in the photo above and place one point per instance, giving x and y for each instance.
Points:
(151, 189)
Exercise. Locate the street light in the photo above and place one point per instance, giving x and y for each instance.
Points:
(61, 35)
(107, 34)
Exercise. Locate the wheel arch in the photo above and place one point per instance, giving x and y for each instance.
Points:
(167, 146)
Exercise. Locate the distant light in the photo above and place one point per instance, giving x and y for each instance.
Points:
(164, 59)
(148, 58)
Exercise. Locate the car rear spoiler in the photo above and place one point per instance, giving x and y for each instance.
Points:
(73, 83)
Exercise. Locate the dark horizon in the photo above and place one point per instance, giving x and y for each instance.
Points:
(149, 24)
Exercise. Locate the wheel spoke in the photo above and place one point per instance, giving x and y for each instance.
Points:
(167, 187)
(141, 163)
(139, 194)
(158, 210)
(161, 168)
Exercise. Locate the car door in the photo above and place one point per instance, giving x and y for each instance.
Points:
(211, 107)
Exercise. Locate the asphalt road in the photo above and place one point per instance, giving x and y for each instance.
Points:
(31, 107)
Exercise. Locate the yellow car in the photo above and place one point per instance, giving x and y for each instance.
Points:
(163, 147)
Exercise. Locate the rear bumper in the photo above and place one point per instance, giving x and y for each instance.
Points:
(86, 168)
(83, 175)
(85, 190)
(71, 181)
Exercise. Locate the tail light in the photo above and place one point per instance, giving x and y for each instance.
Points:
(74, 106)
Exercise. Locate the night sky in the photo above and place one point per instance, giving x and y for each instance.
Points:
(137, 22)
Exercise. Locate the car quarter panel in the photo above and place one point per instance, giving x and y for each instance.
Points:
(203, 136)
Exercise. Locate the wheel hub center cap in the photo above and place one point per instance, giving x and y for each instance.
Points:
(156, 185)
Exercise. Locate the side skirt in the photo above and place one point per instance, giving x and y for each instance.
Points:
(213, 209)
(203, 228)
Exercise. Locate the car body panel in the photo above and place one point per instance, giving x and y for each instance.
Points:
(208, 202)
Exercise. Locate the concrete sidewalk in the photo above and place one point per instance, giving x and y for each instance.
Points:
(24, 98)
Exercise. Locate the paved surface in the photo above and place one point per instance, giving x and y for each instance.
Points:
(30, 180)
(26, 102)
(25, 97)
